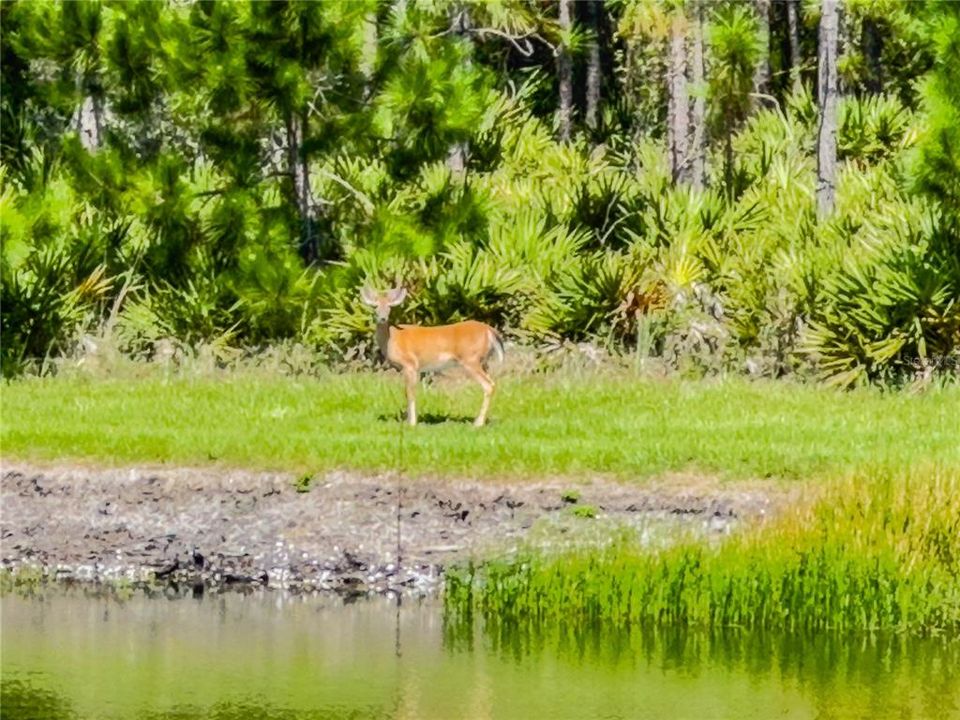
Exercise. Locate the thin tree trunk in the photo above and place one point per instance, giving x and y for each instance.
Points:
(593, 65)
(827, 103)
(89, 115)
(565, 72)
(457, 157)
(89, 123)
(677, 107)
(761, 73)
(698, 117)
(297, 123)
(793, 29)
(368, 55)
(728, 164)
(299, 172)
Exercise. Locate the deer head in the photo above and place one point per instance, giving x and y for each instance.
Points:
(383, 301)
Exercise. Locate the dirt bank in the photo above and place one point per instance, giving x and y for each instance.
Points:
(217, 526)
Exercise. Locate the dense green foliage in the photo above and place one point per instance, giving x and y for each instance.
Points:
(877, 552)
(542, 426)
(230, 173)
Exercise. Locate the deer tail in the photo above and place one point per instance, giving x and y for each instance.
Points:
(496, 344)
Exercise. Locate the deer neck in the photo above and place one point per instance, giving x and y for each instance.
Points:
(383, 336)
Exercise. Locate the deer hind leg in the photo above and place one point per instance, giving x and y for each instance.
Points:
(412, 376)
(476, 371)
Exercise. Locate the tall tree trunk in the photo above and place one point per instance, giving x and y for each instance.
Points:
(368, 55)
(593, 64)
(565, 72)
(89, 115)
(698, 116)
(793, 30)
(827, 103)
(299, 172)
(677, 107)
(457, 157)
(298, 166)
(761, 73)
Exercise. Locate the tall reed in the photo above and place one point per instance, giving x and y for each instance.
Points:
(868, 553)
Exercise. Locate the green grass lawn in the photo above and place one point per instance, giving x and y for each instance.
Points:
(557, 425)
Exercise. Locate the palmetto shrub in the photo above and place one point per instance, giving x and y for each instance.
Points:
(890, 308)
(873, 128)
(53, 267)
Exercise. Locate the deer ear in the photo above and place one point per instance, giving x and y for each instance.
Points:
(396, 296)
(368, 296)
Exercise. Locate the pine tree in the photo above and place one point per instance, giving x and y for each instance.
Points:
(69, 38)
(936, 165)
(734, 51)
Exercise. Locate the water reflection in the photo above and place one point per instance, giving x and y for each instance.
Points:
(841, 675)
(28, 698)
(272, 656)
(246, 711)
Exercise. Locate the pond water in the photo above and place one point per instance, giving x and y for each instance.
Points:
(270, 655)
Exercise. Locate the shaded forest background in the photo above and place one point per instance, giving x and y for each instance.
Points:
(766, 186)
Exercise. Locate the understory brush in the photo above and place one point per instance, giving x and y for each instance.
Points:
(556, 244)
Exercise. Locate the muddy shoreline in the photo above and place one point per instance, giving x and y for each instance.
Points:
(212, 527)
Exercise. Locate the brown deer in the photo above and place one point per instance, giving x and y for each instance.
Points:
(415, 349)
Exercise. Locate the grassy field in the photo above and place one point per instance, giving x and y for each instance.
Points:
(564, 424)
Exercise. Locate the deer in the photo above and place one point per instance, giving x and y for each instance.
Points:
(415, 349)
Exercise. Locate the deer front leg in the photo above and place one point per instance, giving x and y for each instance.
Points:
(412, 376)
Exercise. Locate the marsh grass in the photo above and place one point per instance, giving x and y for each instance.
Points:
(561, 424)
(870, 553)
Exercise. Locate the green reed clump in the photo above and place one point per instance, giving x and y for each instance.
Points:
(868, 553)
